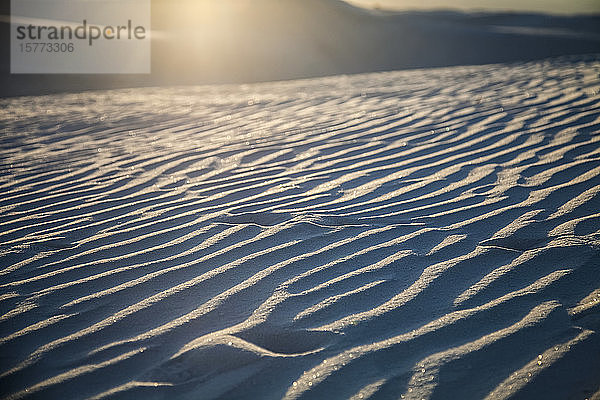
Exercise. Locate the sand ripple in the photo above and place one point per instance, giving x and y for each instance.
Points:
(420, 234)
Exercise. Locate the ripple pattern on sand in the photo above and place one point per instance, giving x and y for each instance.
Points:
(419, 234)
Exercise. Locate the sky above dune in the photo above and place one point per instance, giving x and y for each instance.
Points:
(546, 6)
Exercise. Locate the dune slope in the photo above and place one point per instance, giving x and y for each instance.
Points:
(425, 234)
(241, 41)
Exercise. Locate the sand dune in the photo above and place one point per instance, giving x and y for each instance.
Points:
(419, 234)
(241, 41)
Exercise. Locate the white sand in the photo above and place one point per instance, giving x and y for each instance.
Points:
(422, 234)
